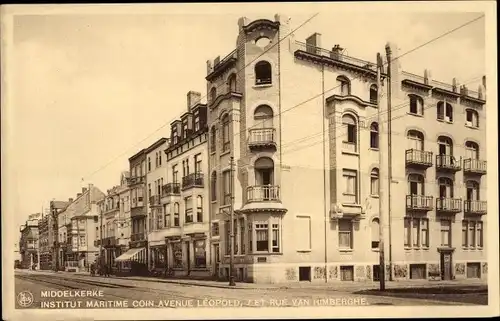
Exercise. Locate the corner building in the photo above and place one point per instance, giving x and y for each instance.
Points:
(301, 124)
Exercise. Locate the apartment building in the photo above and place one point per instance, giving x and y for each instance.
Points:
(300, 216)
(112, 230)
(156, 168)
(77, 230)
(55, 208)
(28, 242)
(184, 232)
(134, 261)
(44, 232)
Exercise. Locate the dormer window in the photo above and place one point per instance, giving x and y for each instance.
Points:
(184, 129)
(263, 73)
(175, 135)
(196, 120)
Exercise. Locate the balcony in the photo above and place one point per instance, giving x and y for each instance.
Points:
(448, 205)
(418, 158)
(474, 166)
(136, 180)
(192, 180)
(448, 163)
(263, 193)
(138, 237)
(171, 189)
(419, 202)
(261, 138)
(154, 200)
(475, 207)
(137, 202)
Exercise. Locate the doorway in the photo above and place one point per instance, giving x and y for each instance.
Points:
(188, 257)
(446, 271)
(304, 273)
(216, 260)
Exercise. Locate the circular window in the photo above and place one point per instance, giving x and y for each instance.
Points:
(262, 42)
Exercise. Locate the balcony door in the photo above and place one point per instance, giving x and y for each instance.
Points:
(445, 187)
(471, 150)
(263, 117)
(415, 140)
(472, 191)
(445, 146)
(264, 176)
(415, 184)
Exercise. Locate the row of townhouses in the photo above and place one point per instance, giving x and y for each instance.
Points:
(293, 141)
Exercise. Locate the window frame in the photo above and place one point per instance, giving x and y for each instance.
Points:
(375, 180)
(349, 231)
(263, 72)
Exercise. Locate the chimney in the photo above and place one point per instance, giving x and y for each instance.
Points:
(78, 195)
(464, 91)
(480, 93)
(70, 200)
(484, 82)
(455, 85)
(336, 51)
(216, 61)
(243, 21)
(209, 67)
(193, 98)
(427, 76)
(313, 43)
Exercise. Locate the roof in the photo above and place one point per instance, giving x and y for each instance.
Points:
(58, 204)
(136, 155)
(156, 144)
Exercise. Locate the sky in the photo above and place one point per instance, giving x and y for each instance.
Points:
(90, 90)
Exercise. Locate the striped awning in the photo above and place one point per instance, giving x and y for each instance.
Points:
(131, 255)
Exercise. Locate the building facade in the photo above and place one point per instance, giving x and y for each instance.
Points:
(280, 194)
(44, 232)
(55, 208)
(28, 243)
(156, 168)
(185, 230)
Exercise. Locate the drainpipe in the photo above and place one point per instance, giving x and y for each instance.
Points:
(325, 205)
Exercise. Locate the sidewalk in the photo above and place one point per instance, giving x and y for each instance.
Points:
(333, 285)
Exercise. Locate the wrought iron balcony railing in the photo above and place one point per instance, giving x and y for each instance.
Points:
(171, 189)
(192, 180)
(263, 193)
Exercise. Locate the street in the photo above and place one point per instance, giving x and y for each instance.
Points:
(133, 293)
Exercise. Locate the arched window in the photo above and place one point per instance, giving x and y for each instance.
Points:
(213, 94)
(263, 73)
(226, 143)
(213, 139)
(472, 118)
(199, 208)
(415, 140)
(213, 188)
(264, 177)
(472, 190)
(445, 145)
(416, 104)
(374, 137)
(471, 150)
(445, 187)
(351, 130)
(176, 214)
(232, 83)
(444, 111)
(374, 182)
(375, 229)
(373, 94)
(416, 184)
(344, 85)
(263, 117)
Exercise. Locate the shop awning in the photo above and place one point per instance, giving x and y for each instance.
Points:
(130, 255)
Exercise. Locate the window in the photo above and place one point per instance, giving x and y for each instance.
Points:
(242, 235)
(82, 240)
(350, 185)
(373, 94)
(215, 229)
(232, 83)
(196, 120)
(176, 215)
(175, 135)
(471, 150)
(197, 163)
(213, 94)
(415, 140)
(177, 254)
(344, 85)
(184, 129)
(159, 158)
(159, 215)
(374, 182)
(349, 123)
(416, 232)
(213, 188)
(445, 233)
(226, 188)
(445, 187)
(471, 118)
(250, 237)
(375, 227)
(235, 234)
(276, 238)
(262, 235)
(200, 254)
(415, 184)
(199, 208)
(185, 167)
(213, 139)
(263, 73)
(444, 111)
(472, 190)
(472, 234)
(149, 190)
(416, 105)
(345, 234)
(166, 211)
(227, 235)
(374, 137)
(149, 164)
(226, 143)
(263, 117)
(188, 203)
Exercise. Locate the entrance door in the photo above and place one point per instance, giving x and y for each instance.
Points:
(216, 260)
(446, 273)
(188, 257)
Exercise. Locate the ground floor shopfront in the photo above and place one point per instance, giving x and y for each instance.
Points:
(133, 260)
(186, 256)
(46, 261)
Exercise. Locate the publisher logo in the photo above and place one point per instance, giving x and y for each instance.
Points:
(25, 299)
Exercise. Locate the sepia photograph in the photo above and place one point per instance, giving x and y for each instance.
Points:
(249, 160)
